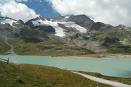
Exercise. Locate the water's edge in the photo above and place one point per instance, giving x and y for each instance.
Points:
(116, 66)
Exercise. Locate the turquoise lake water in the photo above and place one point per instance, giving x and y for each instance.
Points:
(110, 66)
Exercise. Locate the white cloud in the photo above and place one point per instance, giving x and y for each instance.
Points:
(108, 11)
(16, 10)
(21, 0)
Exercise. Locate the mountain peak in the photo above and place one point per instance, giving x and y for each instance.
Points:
(7, 20)
(82, 20)
(123, 27)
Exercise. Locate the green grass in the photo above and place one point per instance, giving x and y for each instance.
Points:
(121, 35)
(48, 48)
(120, 49)
(111, 32)
(12, 75)
(3, 47)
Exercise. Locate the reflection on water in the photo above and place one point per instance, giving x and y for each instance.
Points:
(110, 66)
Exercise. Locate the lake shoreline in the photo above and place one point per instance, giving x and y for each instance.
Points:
(99, 55)
(109, 65)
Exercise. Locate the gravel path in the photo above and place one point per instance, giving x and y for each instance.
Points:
(104, 81)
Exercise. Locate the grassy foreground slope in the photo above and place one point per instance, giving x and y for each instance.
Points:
(12, 75)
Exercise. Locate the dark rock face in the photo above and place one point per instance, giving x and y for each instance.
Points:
(47, 29)
(3, 18)
(29, 23)
(5, 30)
(20, 22)
(30, 35)
(98, 26)
(109, 41)
(81, 20)
(68, 30)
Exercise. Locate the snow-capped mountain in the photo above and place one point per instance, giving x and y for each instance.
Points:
(6, 20)
(63, 25)
(74, 30)
(55, 23)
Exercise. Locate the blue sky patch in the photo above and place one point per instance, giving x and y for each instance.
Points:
(42, 7)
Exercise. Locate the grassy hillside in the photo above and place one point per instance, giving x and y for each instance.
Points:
(115, 40)
(47, 48)
(12, 75)
(3, 47)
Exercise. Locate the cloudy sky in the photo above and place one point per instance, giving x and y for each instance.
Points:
(113, 12)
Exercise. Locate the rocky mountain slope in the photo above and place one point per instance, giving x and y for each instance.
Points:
(65, 35)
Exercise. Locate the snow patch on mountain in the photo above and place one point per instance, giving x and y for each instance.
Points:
(55, 24)
(76, 26)
(67, 17)
(59, 31)
(9, 21)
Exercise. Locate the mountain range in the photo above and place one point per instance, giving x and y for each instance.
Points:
(64, 35)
